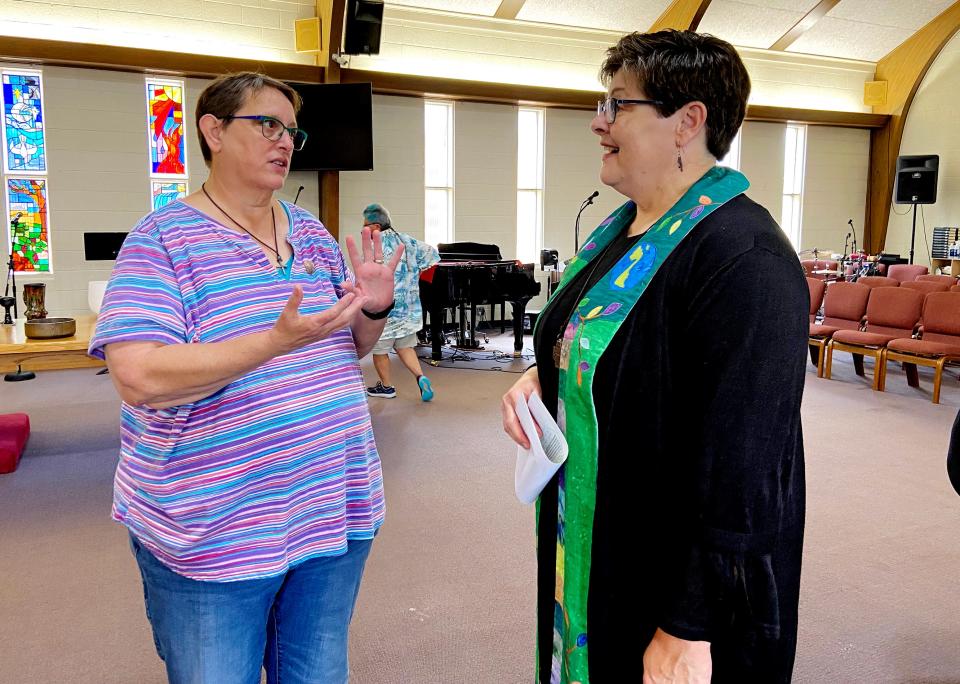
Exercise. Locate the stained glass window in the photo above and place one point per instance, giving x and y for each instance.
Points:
(165, 128)
(28, 220)
(165, 192)
(24, 145)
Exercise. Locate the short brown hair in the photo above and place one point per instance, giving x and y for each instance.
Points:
(677, 67)
(226, 95)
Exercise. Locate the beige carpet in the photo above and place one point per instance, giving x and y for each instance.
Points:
(448, 593)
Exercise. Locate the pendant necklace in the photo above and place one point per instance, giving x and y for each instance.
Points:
(276, 247)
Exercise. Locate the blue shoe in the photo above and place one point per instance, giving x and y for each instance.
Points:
(426, 391)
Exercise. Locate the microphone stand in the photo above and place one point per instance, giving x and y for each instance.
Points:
(299, 190)
(7, 302)
(576, 230)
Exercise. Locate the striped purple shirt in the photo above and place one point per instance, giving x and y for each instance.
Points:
(276, 467)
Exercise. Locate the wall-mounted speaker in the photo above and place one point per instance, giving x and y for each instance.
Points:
(916, 181)
(361, 33)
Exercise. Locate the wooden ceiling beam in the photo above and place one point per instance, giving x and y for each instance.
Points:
(683, 15)
(903, 70)
(806, 23)
(509, 9)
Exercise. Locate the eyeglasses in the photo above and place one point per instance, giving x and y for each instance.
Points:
(273, 129)
(611, 106)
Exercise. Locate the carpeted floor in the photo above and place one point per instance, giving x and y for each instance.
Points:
(448, 592)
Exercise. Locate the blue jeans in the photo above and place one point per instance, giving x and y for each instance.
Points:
(293, 625)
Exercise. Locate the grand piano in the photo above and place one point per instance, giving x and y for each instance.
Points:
(469, 275)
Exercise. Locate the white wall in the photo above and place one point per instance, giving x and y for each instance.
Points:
(835, 186)
(251, 29)
(397, 179)
(761, 161)
(931, 128)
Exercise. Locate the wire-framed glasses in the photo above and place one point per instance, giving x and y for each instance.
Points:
(273, 129)
(610, 106)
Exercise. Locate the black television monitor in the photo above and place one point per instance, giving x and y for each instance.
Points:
(338, 119)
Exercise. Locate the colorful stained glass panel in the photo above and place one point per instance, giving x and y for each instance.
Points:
(165, 129)
(165, 192)
(28, 221)
(24, 144)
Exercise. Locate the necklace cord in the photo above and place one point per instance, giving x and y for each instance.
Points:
(276, 246)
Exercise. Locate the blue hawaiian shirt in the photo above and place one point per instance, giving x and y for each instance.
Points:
(407, 315)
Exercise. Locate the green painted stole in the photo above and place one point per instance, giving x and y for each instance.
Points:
(592, 326)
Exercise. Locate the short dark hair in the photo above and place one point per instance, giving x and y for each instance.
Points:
(677, 67)
(226, 95)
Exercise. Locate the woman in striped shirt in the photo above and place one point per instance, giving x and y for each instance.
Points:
(248, 477)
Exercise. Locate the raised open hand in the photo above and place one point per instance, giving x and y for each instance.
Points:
(374, 278)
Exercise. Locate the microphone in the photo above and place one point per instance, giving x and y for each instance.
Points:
(854, 233)
(576, 230)
(299, 190)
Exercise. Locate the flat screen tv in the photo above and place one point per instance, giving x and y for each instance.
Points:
(338, 119)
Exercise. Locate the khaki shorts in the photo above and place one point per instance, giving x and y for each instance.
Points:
(385, 344)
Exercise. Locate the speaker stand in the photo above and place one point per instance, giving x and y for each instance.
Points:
(913, 233)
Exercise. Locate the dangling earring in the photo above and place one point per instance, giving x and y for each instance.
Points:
(679, 160)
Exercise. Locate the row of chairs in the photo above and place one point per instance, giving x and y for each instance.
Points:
(900, 272)
(905, 323)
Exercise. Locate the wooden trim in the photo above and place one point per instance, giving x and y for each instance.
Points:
(683, 15)
(505, 93)
(476, 91)
(328, 182)
(509, 9)
(816, 117)
(90, 56)
(806, 23)
(903, 69)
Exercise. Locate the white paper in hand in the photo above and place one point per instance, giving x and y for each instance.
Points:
(536, 465)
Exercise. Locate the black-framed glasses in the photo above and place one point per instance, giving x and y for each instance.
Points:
(610, 106)
(273, 128)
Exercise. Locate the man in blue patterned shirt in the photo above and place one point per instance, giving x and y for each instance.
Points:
(406, 318)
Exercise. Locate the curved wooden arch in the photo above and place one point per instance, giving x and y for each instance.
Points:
(683, 15)
(903, 70)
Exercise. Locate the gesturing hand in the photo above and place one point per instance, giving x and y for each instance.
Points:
(669, 660)
(374, 279)
(292, 331)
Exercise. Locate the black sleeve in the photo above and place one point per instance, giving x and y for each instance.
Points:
(953, 455)
(743, 371)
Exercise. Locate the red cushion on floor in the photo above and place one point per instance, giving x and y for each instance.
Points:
(14, 430)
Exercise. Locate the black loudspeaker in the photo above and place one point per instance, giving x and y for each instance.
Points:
(361, 34)
(916, 179)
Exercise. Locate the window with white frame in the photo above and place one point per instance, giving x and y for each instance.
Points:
(530, 162)
(732, 158)
(438, 171)
(794, 164)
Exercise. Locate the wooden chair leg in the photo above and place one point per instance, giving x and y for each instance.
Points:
(913, 378)
(881, 370)
(821, 357)
(877, 386)
(829, 369)
(937, 379)
(858, 364)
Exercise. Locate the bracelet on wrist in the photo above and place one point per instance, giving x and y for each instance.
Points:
(379, 315)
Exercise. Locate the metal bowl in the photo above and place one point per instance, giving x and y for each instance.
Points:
(49, 328)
